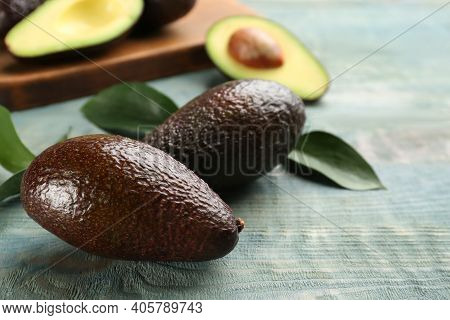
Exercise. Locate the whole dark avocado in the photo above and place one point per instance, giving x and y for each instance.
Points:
(12, 11)
(120, 198)
(233, 133)
(158, 13)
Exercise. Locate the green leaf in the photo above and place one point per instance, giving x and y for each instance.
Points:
(11, 187)
(130, 110)
(335, 159)
(14, 156)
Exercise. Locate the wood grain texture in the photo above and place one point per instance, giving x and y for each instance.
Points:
(175, 49)
(389, 244)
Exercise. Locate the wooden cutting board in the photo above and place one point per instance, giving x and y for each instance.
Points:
(175, 49)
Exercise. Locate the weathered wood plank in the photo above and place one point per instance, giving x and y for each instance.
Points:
(391, 244)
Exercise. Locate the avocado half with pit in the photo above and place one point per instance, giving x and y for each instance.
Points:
(254, 47)
(62, 26)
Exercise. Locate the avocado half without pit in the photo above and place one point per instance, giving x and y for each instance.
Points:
(60, 26)
(254, 47)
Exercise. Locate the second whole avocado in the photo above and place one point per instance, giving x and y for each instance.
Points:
(158, 13)
(233, 133)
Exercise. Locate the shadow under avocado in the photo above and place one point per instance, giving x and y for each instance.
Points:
(61, 258)
(8, 208)
(309, 174)
(236, 194)
(13, 200)
(216, 78)
(57, 257)
(145, 34)
(313, 103)
(60, 262)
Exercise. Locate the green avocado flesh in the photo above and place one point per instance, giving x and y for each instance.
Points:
(63, 25)
(300, 71)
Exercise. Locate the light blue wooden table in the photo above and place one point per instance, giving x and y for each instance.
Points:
(314, 241)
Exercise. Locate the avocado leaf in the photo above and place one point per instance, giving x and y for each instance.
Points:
(131, 109)
(335, 159)
(14, 156)
(11, 187)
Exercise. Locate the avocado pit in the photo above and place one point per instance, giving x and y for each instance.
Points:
(255, 48)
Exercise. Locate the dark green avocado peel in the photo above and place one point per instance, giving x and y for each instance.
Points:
(119, 198)
(233, 133)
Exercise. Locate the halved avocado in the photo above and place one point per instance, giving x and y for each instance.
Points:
(254, 47)
(59, 26)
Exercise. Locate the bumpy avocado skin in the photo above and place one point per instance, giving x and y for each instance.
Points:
(123, 199)
(12, 11)
(158, 13)
(228, 135)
